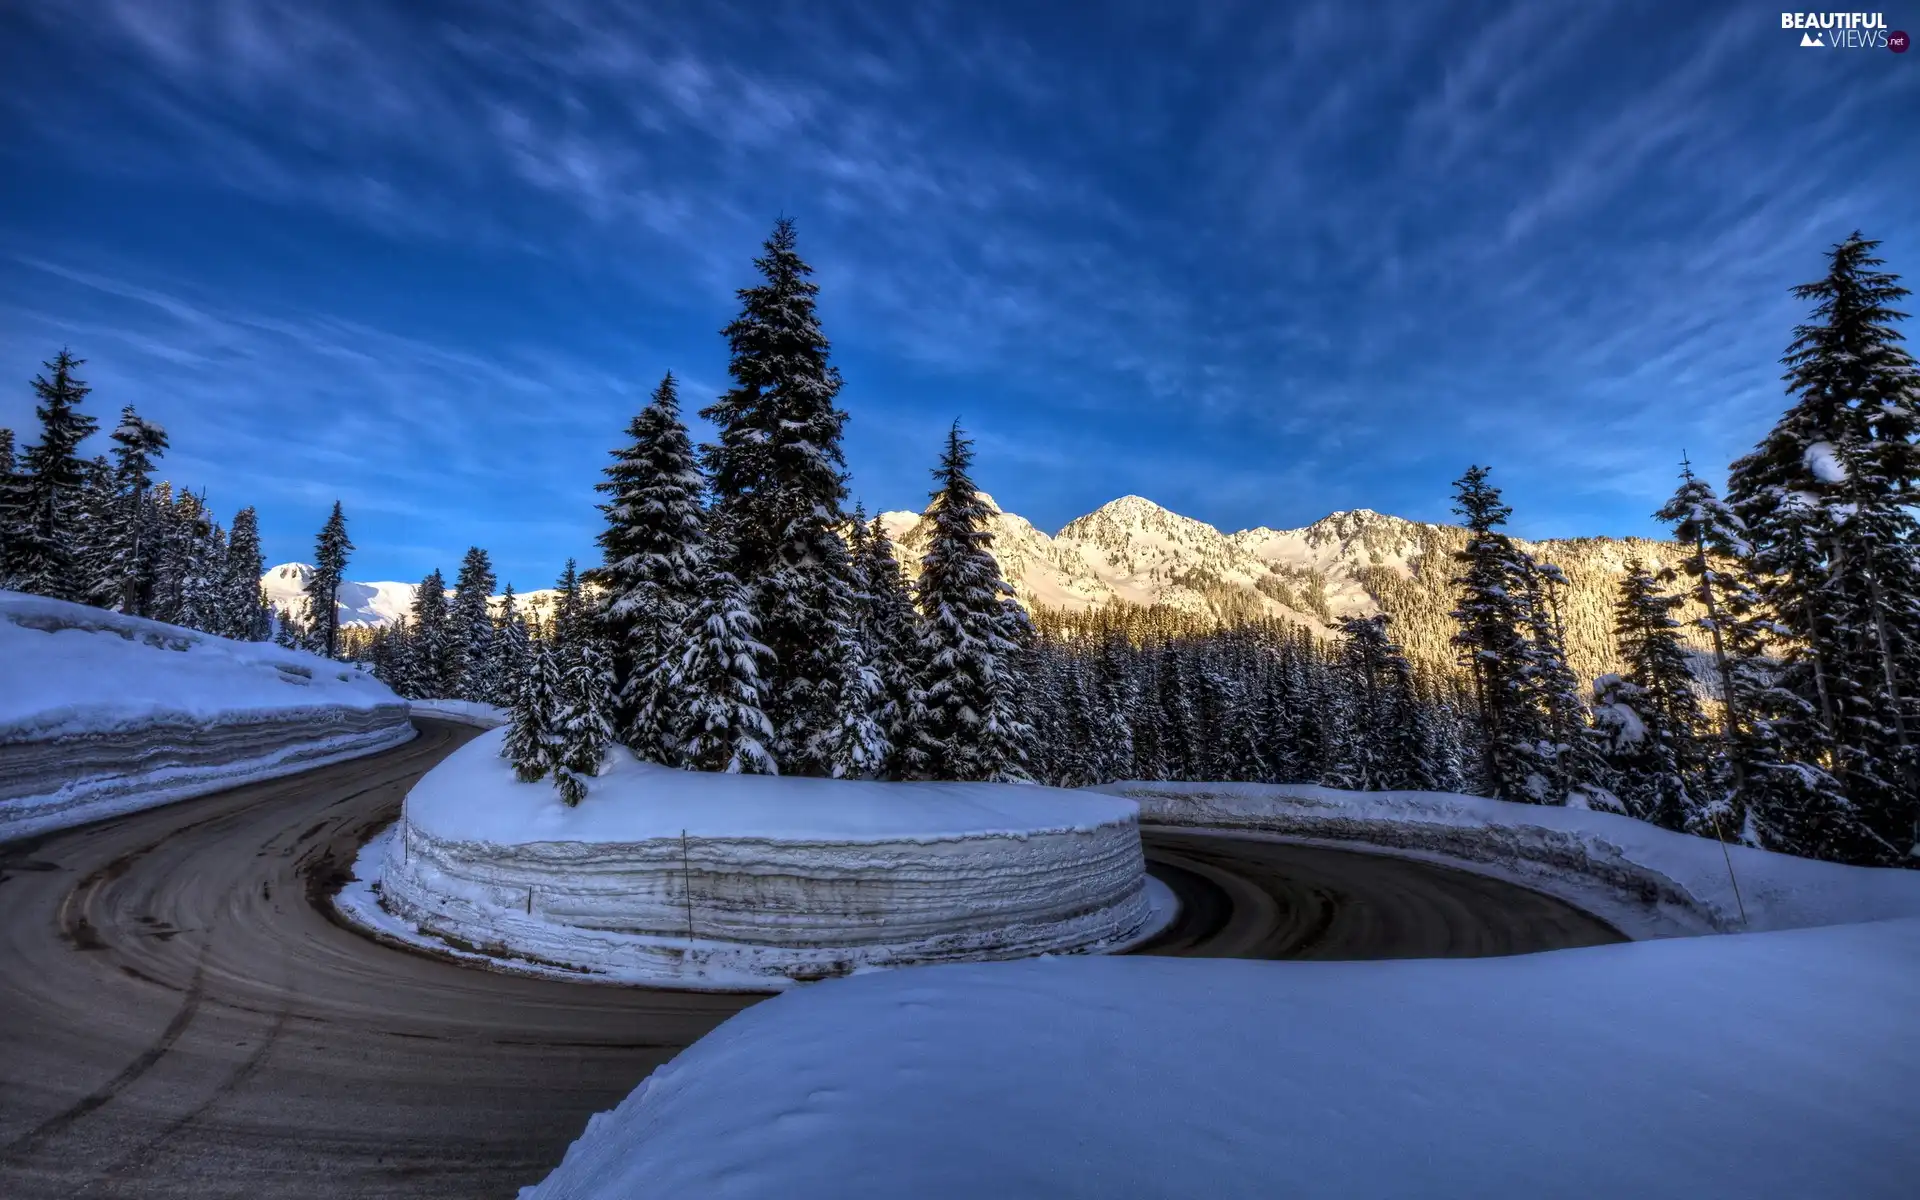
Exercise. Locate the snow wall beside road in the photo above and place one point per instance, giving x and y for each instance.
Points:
(1647, 881)
(776, 879)
(102, 714)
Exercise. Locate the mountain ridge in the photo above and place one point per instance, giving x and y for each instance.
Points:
(1131, 550)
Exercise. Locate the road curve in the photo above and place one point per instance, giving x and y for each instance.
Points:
(178, 1017)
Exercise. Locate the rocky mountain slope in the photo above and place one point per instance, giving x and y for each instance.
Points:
(1135, 552)
(366, 605)
(1349, 563)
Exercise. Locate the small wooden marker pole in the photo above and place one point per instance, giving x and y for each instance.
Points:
(686, 881)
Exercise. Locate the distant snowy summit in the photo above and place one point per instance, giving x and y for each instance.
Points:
(1132, 551)
(1135, 551)
(365, 604)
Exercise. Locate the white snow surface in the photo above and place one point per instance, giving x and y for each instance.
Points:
(1647, 881)
(374, 604)
(472, 796)
(689, 879)
(102, 714)
(1824, 461)
(71, 668)
(1752, 1066)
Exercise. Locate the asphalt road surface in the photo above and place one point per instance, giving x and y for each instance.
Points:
(179, 1017)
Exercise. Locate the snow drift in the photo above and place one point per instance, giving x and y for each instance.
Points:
(102, 714)
(724, 880)
(1646, 881)
(1753, 1066)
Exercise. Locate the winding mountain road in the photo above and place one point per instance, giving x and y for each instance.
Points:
(179, 1017)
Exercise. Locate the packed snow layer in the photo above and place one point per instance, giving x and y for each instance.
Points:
(1755, 1066)
(1646, 880)
(102, 714)
(678, 876)
(721, 967)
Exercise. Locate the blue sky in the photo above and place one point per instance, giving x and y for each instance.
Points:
(1256, 262)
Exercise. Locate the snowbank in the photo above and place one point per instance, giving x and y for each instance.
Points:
(1646, 880)
(1769, 1065)
(102, 714)
(466, 712)
(724, 880)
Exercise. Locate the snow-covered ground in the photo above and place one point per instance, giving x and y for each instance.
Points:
(1647, 881)
(1749, 1066)
(102, 714)
(1764, 1064)
(692, 879)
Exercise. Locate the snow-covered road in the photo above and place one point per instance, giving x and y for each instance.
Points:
(178, 1018)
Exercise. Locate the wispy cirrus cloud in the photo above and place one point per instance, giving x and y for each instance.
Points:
(1260, 261)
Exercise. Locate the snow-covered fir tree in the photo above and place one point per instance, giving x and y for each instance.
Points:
(1660, 774)
(429, 647)
(1827, 500)
(287, 631)
(10, 499)
(42, 542)
(330, 550)
(1492, 615)
(845, 701)
(469, 630)
(245, 614)
(653, 543)
(572, 620)
(1391, 743)
(1567, 753)
(534, 734)
(894, 639)
(777, 474)
(137, 444)
(205, 548)
(969, 731)
(586, 721)
(721, 690)
(509, 651)
(98, 528)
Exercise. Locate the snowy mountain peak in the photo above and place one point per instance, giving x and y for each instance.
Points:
(295, 573)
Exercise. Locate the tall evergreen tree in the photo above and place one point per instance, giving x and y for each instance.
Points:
(1567, 755)
(137, 443)
(246, 615)
(777, 473)
(1828, 499)
(99, 533)
(653, 543)
(1492, 613)
(1716, 540)
(205, 565)
(10, 499)
(470, 627)
(1662, 773)
(534, 734)
(894, 639)
(969, 732)
(510, 649)
(430, 644)
(330, 550)
(722, 693)
(41, 545)
(571, 620)
(586, 722)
